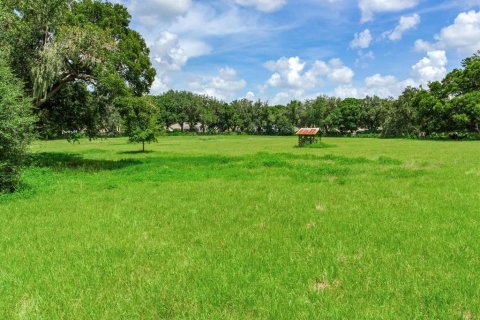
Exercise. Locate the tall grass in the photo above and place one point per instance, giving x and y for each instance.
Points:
(243, 228)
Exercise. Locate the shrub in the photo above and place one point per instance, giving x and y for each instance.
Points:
(16, 123)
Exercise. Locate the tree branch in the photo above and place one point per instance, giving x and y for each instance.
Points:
(66, 77)
(55, 88)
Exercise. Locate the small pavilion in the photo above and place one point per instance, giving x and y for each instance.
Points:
(308, 136)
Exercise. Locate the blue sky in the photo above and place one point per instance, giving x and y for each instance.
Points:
(278, 50)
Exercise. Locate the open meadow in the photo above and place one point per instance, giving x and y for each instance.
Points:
(243, 227)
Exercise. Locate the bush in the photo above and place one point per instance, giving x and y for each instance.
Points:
(16, 123)
(180, 133)
(454, 136)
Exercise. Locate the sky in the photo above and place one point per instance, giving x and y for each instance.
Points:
(280, 50)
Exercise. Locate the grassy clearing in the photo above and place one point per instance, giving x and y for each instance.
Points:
(244, 227)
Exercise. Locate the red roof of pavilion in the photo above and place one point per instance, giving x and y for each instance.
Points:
(308, 131)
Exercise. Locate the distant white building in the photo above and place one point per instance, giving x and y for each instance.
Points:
(186, 127)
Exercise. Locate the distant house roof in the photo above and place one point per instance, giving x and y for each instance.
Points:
(308, 131)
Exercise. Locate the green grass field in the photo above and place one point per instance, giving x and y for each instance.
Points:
(244, 228)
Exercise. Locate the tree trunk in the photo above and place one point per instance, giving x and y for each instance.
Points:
(143, 146)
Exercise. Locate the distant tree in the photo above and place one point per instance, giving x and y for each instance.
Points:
(193, 105)
(460, 94)
(267, 120)
(209, 111)
(281, 121)
(260, 117)
(466, 112)
(294, 112)
(249, 115)
(373, 113)
(140, 115)
(16, 127)
(432, 112)
(346, 117)
(402, 115)
(167, 107)
(315, 112)
(227, 116)
(461, 81)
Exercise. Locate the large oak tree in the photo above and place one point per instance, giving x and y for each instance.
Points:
(63, 45)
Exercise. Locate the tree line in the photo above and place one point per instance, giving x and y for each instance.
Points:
(77, 67)
(444, 109)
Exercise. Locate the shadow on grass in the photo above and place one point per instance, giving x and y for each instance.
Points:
(179, 167)
(301, 168)
(136, 152)
(62, 161)
(321, 145)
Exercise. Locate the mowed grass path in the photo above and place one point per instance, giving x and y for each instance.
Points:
(244, 228)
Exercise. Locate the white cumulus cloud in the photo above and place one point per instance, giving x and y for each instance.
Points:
(338, 73)
(370, 7)
(386, 86)
(205, 21)
(223, 86)
(295, 80)
(406, 23)
(290, 73)
(167, 53)
(431, 68)
(422, 45)
(361, 40)
(170, 53)
(160, 85)
(463, 35)
(250, 95)
(346, 91)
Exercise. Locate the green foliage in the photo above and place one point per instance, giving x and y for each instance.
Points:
(401, 118)
(314, 112)
(32, 28)
(16, 124)
(346, 117)
(140, 116)
(373, 113)
(294, 112)
(466, 111)
(7, 24)
(77, 54)
(461, 81)
(131, 58)
(57, 46)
